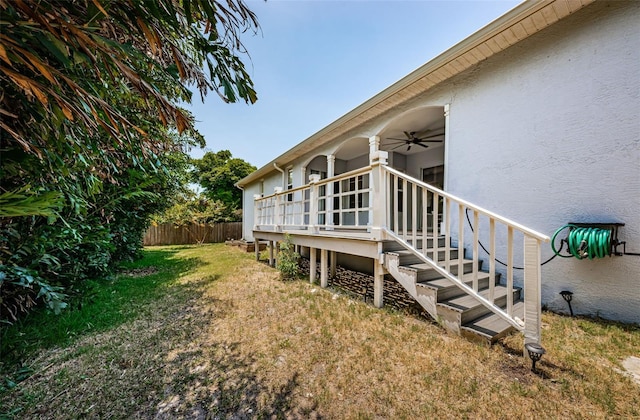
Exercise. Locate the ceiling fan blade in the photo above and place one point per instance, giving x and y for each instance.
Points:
(430, 133)
(423, 145)
(398, 146)
(409, 148)
(429, 141)
(392, 138)
(409, 136)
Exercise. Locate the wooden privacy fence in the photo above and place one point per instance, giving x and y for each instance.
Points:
(170, 234)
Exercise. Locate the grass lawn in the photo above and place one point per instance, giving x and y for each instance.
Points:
(207, 332)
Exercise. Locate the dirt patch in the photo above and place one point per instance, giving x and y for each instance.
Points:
(140, 272)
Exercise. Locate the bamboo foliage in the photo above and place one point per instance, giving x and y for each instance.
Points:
(46, 46)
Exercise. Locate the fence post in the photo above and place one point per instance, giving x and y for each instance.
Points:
(532, 291)
(313, 202)
(378, 195)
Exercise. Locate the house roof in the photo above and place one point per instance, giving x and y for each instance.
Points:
(519, 23)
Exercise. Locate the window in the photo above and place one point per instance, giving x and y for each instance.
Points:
(289, 183)
(434, 176)
(323, 174)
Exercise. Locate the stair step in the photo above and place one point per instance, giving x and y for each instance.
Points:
(470, 308)
(448, 290)
(408, 257)
(491, 327)
(394, 246)
(426, 272)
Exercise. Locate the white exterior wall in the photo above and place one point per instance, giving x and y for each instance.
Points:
(548, 132)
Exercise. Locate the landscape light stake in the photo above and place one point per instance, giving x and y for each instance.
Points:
(567, 295)
(535, 353)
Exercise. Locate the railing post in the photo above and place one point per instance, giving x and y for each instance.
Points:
(532, 291)
(378, 195)
(313, 202)
(277, 223)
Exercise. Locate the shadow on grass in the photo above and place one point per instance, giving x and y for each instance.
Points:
(101, 305)
(226, 386)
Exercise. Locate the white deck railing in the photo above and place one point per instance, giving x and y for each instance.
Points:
(343, 201)
(384, 203)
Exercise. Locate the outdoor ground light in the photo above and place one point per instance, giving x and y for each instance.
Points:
(567, 295)
(535, 353)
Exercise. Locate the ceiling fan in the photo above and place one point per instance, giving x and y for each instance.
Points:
(414, 138)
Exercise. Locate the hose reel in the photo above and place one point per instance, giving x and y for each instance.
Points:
(589, 240)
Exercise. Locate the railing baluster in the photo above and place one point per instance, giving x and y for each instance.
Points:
(510, 271)
(435, 228)
(404, 209)
(425, 221)
(386, 178)
(447, 235)
(414, 219)
(492, 259)
(461, 241)
(476, 234)
(396, 204)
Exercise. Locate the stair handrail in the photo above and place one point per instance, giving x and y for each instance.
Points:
(525, 230)
(486, 303)
(531, 325)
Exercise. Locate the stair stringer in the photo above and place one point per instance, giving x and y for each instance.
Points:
(407, 277)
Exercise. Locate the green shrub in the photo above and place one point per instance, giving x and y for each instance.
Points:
(287, 260)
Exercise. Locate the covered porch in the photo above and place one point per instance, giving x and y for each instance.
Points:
(415, 232)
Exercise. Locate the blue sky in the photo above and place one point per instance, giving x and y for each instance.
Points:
(314, 61)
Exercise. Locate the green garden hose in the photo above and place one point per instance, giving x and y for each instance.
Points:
(584, 242)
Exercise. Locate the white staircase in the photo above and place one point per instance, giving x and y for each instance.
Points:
(414, 227)
(444, 300)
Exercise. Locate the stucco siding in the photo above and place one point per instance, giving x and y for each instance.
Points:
(548, 132)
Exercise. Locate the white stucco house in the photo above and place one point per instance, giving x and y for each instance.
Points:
(480, 155)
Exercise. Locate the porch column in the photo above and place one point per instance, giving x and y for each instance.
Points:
(312, 265)
(256, 248)
(313, 203)
(271, 259)
(333, 258)
(303, 173)
(378, 195)
(277, 216)
(374, 146)
(324, 275)
(256, 211)
(331, 171)
(378, 284)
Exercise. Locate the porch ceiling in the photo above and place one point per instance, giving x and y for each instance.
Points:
(521, 22)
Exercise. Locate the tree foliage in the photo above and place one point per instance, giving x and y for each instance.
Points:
(218, 173)
(191, 208)
(92, 139)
